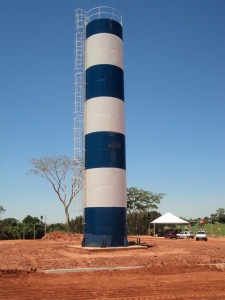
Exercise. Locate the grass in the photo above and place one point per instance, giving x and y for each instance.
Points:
(211, 229)
(214, 229)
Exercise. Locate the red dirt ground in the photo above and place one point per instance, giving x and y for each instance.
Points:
(171, 269)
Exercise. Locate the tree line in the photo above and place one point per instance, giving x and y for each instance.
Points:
(141, 205)
(65, 177)
(139, 218)
(34, 228)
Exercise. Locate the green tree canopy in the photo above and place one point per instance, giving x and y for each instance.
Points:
(76, 225)
(220, 212)
(33, 227)
(139, 222)
(139, 200)
(9, 229)
(10, 222)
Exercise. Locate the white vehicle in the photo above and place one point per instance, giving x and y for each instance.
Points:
(185, 235)
(201, 235)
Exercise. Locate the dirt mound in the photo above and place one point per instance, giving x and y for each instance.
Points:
(62, 236)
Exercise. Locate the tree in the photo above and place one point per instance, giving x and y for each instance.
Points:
(2, 210)
(9, 229)
(58, 171)
(139, 200)
(76, 225)
(56, 227)
(220, 212)
(213, 218)
(139, 222)
(221, 219)
(32, 227)
(140, 204)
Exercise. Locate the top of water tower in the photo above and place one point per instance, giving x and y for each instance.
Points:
(101, 12)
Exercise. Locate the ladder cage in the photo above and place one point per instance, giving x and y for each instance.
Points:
(79, 83)
(79, 99)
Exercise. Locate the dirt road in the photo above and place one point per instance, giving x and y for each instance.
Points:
(169, 269)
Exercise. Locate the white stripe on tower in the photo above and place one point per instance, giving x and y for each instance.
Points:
(104, 48)
(105, 114)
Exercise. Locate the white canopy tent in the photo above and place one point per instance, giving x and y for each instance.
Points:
(169, 218)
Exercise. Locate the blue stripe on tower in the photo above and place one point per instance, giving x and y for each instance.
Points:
(104, 26)
(105, 150)
(105, 226)
(104, 80)
(105, 161)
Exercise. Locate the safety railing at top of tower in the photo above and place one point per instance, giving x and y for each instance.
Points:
(104, 12)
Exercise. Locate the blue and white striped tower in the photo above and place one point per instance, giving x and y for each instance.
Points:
(105, 165)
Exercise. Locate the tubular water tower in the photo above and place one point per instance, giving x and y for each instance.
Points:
(100, 125)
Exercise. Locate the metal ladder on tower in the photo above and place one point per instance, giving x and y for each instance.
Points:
(79, 97)
(79, 78)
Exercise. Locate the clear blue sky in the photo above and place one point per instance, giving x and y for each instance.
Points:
(174, 54)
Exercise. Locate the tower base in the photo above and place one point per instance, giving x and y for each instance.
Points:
(105, 227)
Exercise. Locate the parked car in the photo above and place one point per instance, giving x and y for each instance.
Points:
(170, 234)
(201, 235)
(185, 235)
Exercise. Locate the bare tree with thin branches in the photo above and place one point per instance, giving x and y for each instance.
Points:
(58, 171)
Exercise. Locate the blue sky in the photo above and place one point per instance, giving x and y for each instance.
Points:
(174, 55)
